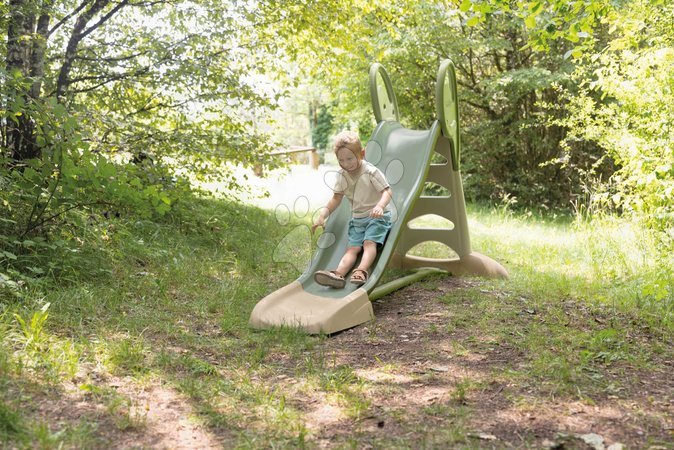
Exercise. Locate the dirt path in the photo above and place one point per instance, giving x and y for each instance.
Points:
(126, 415)
(429, 379)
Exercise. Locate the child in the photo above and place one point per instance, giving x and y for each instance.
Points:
(369, 193)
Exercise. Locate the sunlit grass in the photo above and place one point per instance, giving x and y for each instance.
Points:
(608, 261)
(176, 300)
(577, 290)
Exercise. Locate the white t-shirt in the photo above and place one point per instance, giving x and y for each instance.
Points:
(363, 188)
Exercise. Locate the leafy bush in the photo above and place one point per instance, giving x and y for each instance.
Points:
(626, 107)
(44, 200)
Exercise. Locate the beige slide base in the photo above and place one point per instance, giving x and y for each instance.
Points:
(292, 306)
(472, 264)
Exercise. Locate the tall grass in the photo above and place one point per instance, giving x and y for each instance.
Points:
(160, 292)
(603, 261)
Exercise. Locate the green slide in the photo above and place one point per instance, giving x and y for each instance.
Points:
(405, 158)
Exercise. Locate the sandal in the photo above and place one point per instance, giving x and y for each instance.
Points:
(329, 278)
(359, 276)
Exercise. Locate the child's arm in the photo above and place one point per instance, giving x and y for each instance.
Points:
(333, 203)
(378, 210)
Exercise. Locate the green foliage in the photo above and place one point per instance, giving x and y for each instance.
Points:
(47, 203)
(102, 226)
(549, 21)
(618, 100)
(41, 354)
(507, 91)
(555, 96)
(11, 424)
(116, 125)
(32, 331)
(625, 107)
(322, 128)
(127, 355)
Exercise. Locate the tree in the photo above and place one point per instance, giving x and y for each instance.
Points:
(508, 89)
(173, 50)
(109, 105)
(626, 107)
(92, 89)
(321, 126)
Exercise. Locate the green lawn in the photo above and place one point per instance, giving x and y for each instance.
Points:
(137, 305)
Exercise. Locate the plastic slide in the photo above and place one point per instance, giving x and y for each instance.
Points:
(405, 157)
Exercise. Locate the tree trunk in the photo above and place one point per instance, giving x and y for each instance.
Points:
(39, 49)
(20, 134)
(78, 33)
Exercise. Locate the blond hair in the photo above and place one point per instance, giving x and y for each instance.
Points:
(350, 141)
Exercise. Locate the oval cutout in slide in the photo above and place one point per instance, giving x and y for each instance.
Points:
(433, 249)
(430, 222)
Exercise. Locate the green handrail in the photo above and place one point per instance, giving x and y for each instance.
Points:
(447, 108)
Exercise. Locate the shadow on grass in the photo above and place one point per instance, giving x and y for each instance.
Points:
(446, 362)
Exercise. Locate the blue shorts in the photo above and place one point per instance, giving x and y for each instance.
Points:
(369, 229)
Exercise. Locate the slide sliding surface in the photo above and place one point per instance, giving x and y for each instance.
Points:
(404, 157)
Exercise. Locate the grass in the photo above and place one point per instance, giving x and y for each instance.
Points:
(567, 277)
(604, 262)
(168, 303)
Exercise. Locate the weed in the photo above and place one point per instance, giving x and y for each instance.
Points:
(126, 413)
(39, 351)
(82, 435)
(5, 360)
(347, 388)
(337, 378)
(32, 330)
(459, 394)
(313, 363)
(127, 356)
(607, 347)
(198, 367)
(11, 423)
(454, 412)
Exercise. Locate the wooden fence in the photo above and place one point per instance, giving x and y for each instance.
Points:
(291, 152)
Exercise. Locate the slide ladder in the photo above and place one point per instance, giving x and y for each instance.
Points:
(452, 206)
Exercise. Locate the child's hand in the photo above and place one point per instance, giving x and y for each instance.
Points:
(377, 212)
(320, 222)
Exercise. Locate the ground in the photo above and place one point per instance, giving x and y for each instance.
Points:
(501, 413)
(428, 386)
(421, 378)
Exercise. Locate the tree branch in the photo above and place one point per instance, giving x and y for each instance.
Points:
(105, 18)
(60, 213)
(75, 39)
(143, 70)
(68, 16)
(111, 59)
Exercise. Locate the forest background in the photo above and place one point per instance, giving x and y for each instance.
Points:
(112, 106)
(124, 108)
(117, 107)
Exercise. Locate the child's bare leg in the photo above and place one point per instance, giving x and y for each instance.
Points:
(348, 260)
(369, 254)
